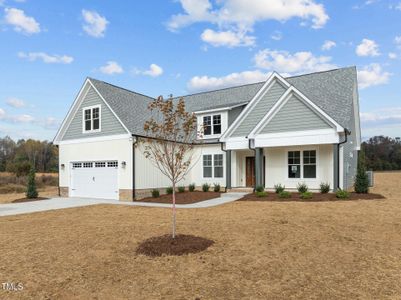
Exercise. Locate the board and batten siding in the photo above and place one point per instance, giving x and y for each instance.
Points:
(295, 116)
(109, 123)
(260, 110)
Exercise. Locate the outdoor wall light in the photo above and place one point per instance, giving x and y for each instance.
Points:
(123, 164)
(62, 166)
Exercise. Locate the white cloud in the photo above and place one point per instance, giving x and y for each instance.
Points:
(15, 118)
(384, 116)
(153, 71)
(51, 123)
(95, 24)
(327, 45)
(206, 83)
(372, 75)
(46, 58)
(277, 35)
(111, 68)
(227, 38)
(285, 62)
(20, 21)
(397, 41)
(392, 55)
(15, 102)
(367, 48)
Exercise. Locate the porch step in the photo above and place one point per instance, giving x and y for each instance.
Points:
(241, 190)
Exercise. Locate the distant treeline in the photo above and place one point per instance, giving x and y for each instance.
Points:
(18, 157)
(382, 153)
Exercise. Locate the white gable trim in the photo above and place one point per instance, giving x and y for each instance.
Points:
(74, 108)
(245, 112)
(213, 110)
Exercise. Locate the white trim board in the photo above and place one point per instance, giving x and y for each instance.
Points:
(96, 139)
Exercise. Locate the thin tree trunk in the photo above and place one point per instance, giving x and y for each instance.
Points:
(173, 211)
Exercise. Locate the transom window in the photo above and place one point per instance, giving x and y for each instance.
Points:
(302, 167)
(88, 164)
(100, 164)
(112, 164)
(213, 166)
(91, 118)
(77, 165)
(212, 125)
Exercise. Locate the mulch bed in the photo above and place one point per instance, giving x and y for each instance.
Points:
(165, 245)
(183, 198)
(317, 197)
(28, 199)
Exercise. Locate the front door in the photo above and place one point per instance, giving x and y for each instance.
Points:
(250, 171)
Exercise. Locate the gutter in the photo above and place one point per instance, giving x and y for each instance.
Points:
(346, 133)
(133, 167)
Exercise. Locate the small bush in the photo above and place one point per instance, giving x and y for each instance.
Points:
(260, 188)
(261, 194)
(324, 188)
(361, 184)
(155, 193)
(31, 191)
(181, 189)
(169, 190)
(341, 194)
(284, 194)
(205, 187)
(216, 187)
(279, 188)
(306, 195)
(191, 187)
(302, 188)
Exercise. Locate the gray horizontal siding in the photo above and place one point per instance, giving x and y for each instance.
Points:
(109, 123)
(295, 116)
(234, 113)
(260, 110)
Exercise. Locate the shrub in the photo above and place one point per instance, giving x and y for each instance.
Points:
(181, 189)
(155, 193)
(260, 188)
(205, 187)
(31, 191)
(279, 188)
(302, 188)
(361, 184)
(261, 194)
(216, 187)
(306, 195)
(169, 190)
(324, 188)
(191, 187)
(341, 194)
(284, 194)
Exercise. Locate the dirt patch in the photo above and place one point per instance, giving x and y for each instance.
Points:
(28, 199)
(316, 197)
(47, 192)
(180, 245)
(184, 198)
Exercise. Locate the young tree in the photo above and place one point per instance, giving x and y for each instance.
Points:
(361, 185)
(169, 143)
(31, 191)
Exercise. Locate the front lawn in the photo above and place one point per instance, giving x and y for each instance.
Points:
(184, 197)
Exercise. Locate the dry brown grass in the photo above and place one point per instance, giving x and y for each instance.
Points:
(262, 250)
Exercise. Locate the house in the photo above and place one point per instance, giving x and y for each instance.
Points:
(281, 131)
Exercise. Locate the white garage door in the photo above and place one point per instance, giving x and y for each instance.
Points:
(95, 179)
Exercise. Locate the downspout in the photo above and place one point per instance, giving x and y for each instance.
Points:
(133, 167)
(254, 151)
(346, 133)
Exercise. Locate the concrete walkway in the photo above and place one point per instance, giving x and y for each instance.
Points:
(10, 209)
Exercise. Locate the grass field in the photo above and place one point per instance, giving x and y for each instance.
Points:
(262, 250)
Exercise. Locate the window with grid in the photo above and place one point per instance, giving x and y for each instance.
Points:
(100, 164)
(112, 164)
(294, 164)
(207, 125)
(309, 164)
(92, 119)
(216, 124)
(88, 164)
(77, 165)
(218, 165)
(207, 166)
(96, 118)
(88, 120)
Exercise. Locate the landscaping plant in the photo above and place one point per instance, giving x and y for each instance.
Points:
(191, 187)
(216, 187)
(205, 187)
(181, 189)
(155, 193)
(260, 188)
(279, 188)
(169, 190)
(261, 194)
(31, 191)
(361, 184)
(284, 194)
(306, 195)
(302, 187)
(342, 194)
(324, 188)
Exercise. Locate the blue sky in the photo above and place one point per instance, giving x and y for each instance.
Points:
(154, 47)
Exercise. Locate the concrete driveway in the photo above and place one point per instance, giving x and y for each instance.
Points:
(10, 209)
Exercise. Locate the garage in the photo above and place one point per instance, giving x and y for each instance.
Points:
(95, 179)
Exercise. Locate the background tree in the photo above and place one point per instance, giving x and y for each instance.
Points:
(31, 191)
(361, 180)
(382, 153)
(169, 146)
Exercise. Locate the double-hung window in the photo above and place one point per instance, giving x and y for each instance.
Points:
(91, 119)
(310, 164)
(294, 164)
(213, 166)
(212, 125)
(302, 166)
(207, 125)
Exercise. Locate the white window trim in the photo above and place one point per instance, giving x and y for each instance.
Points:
(301, 150)
(100, 119)
(212, 166)
(213, 135)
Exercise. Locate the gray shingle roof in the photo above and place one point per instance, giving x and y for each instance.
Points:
(332, 91)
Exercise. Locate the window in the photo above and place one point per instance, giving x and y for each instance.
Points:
(218, 165)
(207, 166)
(91, 119)
(77, 165)
(310, 164)
(100, 164)
(112, 164)
(210, 128)
(88, 165)
(294, 164)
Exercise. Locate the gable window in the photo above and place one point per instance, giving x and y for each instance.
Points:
(91, 119)
(302, 166)
(207, 125)
(212, 125)
(213, 166)
(216, 124)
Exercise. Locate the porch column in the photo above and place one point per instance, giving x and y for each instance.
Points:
(228, 169)
(335, 167)
(258, 166)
